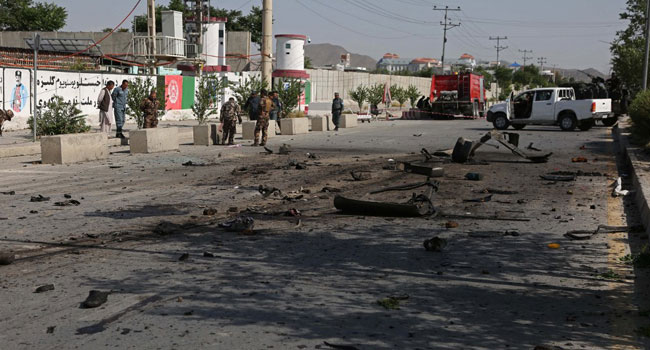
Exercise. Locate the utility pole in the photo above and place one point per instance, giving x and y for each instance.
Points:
(267, 42)
(37, 46)
(526, 57)
(499, 49)
(542, 61)
(151, 32)
(448, 25)
(647, 45)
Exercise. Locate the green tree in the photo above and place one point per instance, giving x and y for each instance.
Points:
(359, 95)
(640, 115)
(375, 94)
(413, 94)
(398, 93)
(25, 15)
(308, 64)
(243, 91)
(208, 94)
(289, 91)
(59, 118)
(139, 89)
(628, 48)
(487, 77)
(503, 75)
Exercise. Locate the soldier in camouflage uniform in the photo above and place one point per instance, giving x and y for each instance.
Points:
(230, 114)
(5, 116)
(150, 108)
(266, 105)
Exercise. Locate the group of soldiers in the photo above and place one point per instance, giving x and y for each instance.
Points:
(262, 109)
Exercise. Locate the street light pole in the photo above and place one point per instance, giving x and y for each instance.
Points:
(37, 45)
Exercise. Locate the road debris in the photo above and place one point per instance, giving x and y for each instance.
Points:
(392, 302)
(95, 298)
(474, 176)
(435, 244)
(67, 203)
(618, 189)
(478, 200)
(268, 150)
(361, 175)
(556, 178)
(8, 193)
(419, 205)
(340, 347)
(577, 173)
(285, 149)
(50, 329)
(191, 163)
(328, 189)
(422, 170)
(293, 212)
(530, 147)
(451, 224)
(582, 235)
(7, 258)
(482, 217)
(465, 149)
(241, 224)
(267, 191)
(553, 245)
(184, 257)
(579, 160)
(166, 228)
(496, 191)
(39, 198)
(44, 288)
(210, 211)
(208, 255)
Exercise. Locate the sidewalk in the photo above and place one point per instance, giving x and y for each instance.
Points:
(19, 143)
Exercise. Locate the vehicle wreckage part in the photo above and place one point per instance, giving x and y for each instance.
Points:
(582, 235)
(510, 140)
(419, 205)
(565, 178)
(423, 170)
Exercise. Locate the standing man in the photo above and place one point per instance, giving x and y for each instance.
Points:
(150, 108)
(19, 95)
(252, 105)
(266, 105)
(105, 105)
(230, 114)
(276, 113)
(5, 116)
(337, 109)
(120, 95)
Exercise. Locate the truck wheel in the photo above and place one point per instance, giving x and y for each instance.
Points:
(585, 125)
(500, 122)
(518, 126)
(610, 121)
(567, 122)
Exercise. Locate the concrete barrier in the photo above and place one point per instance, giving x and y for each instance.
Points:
(318, 123)
(73, 148)
(248, 129)
(154, 140)
(348, 121)
(294, 126)
(205, 135)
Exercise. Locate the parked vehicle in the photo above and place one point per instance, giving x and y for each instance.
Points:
(453, 96)
(549, 106)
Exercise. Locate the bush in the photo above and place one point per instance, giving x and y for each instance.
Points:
(296, 114)
(375, 94)
(640, 114)
(289, 92)
(139, 89)
(243, 90)
(59, 117)
(207, 97)
(413, 94)
(359, 95)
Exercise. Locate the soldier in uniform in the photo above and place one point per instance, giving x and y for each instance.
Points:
(266, 105)
(230, 114)
(5, 116)
(150, 108)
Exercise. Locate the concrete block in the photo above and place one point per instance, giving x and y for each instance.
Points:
(348, 121)
(294, 126)
(205, 135)
(248, 129)
(319, 123)
(330, 123)
(154, 140)
(73, 148)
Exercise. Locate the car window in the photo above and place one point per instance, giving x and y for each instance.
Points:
(562, 94)
(543, 95)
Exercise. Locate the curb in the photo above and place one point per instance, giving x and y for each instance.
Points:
(637, 174)
(34, 148)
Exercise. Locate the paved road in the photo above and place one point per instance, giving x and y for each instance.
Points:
(295, 284)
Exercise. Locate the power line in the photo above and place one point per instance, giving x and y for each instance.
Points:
(448, 25)
(542, 61)
(499, 47)
(526, 57)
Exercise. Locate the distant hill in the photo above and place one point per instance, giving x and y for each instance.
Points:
(328, 54)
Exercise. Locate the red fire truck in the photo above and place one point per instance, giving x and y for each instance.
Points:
(456, 95)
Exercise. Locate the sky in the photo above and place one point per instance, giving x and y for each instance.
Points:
(568, 33)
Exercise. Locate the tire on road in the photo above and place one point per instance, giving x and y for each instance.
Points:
(567, 121)
(500, 122)
(586, 124)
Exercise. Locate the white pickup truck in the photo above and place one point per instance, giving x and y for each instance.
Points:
(550, 106)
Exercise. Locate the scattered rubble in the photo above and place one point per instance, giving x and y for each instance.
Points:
(241, 224)
(7, 258)
(328, 189)
(95, 298)
(435, 244)
(39, 198)
(69, 202)
(392, 302)
(464, 149)
(581, 235)
(285, 149)
(361, 175)
(8, 193)
(474, 176)
(184, 257)
(556, 178)
(44, 288)
(210, 211)
(618, 189)
(451, 224)
(422, 170)
(579, 160)
(478, 200)
(341, 347)
(267, 191)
